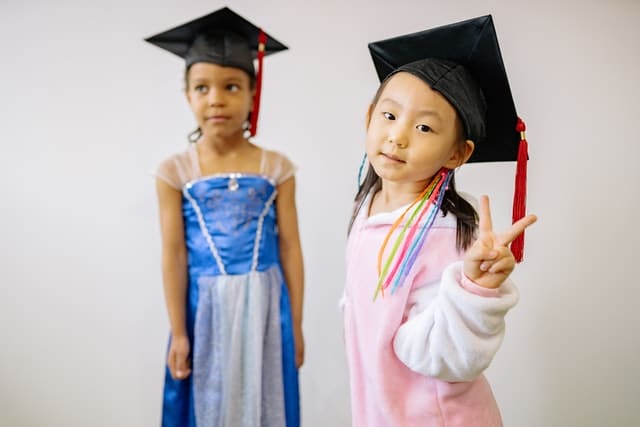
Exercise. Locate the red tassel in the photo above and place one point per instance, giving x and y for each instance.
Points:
(520, 192)
(262, 41)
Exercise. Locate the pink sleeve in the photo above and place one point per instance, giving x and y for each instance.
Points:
(474, 288)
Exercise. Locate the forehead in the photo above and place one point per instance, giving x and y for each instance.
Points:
(413, 92)
(215, 72)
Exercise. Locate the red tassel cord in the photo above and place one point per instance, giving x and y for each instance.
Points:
(262, 41)
(520, 191)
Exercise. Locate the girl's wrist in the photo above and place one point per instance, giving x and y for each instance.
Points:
(179, 335)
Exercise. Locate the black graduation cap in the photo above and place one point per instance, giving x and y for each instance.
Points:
(457, 60)
(224, 38)
(463, 62)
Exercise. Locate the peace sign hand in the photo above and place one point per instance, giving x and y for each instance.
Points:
(489, 261)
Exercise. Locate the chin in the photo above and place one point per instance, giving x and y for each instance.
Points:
(385, 172)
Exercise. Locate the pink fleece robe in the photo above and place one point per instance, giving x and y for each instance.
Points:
(416, 356)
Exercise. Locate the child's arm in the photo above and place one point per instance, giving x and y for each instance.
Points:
(454, 327)
(459, 324)
(174, 276)
(291, 258)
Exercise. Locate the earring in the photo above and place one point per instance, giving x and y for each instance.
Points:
(246, 129)
(195, 135)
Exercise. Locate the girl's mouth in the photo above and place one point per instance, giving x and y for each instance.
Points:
(393, 157)
(217, 119)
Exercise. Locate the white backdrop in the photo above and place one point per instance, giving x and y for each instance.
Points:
(87, 110)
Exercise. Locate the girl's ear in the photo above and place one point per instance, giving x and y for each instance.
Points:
(461, 155)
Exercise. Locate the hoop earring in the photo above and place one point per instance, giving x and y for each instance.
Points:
(195, 135)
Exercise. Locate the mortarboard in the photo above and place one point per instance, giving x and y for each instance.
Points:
(463, 62)
(224, 38)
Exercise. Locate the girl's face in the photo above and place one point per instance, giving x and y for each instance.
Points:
(413, 131)
(220, 98)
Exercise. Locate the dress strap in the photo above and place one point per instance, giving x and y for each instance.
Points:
(256, 244)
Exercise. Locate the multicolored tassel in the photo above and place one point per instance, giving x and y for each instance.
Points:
(429, 201)
(361, 169)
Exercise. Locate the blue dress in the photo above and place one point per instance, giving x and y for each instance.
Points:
(238, 312)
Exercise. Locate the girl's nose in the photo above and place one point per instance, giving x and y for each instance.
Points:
(398, 136)
(215, 98)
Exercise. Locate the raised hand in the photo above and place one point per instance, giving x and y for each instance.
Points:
(489, 261)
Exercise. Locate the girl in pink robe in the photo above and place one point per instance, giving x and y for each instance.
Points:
(427, 286)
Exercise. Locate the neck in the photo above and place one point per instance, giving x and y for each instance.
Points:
(224, 146)
(393, 195)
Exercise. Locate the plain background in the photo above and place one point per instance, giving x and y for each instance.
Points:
(88, 110)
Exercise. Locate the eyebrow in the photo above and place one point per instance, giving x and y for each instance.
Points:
(424, 112)
(207, 80)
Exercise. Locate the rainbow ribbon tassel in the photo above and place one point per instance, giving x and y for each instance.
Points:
(416, 237)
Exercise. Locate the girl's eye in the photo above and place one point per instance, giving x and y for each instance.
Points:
(233, 87)
(423, 128)
(201, 89)
(389, 116)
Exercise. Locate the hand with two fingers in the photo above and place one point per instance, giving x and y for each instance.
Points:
(489, 261)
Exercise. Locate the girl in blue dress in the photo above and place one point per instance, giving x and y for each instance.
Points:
(231, 257)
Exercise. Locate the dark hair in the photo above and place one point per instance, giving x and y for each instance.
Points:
(195, 135)
(466, 216)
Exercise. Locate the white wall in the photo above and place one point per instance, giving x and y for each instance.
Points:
(87, 110)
